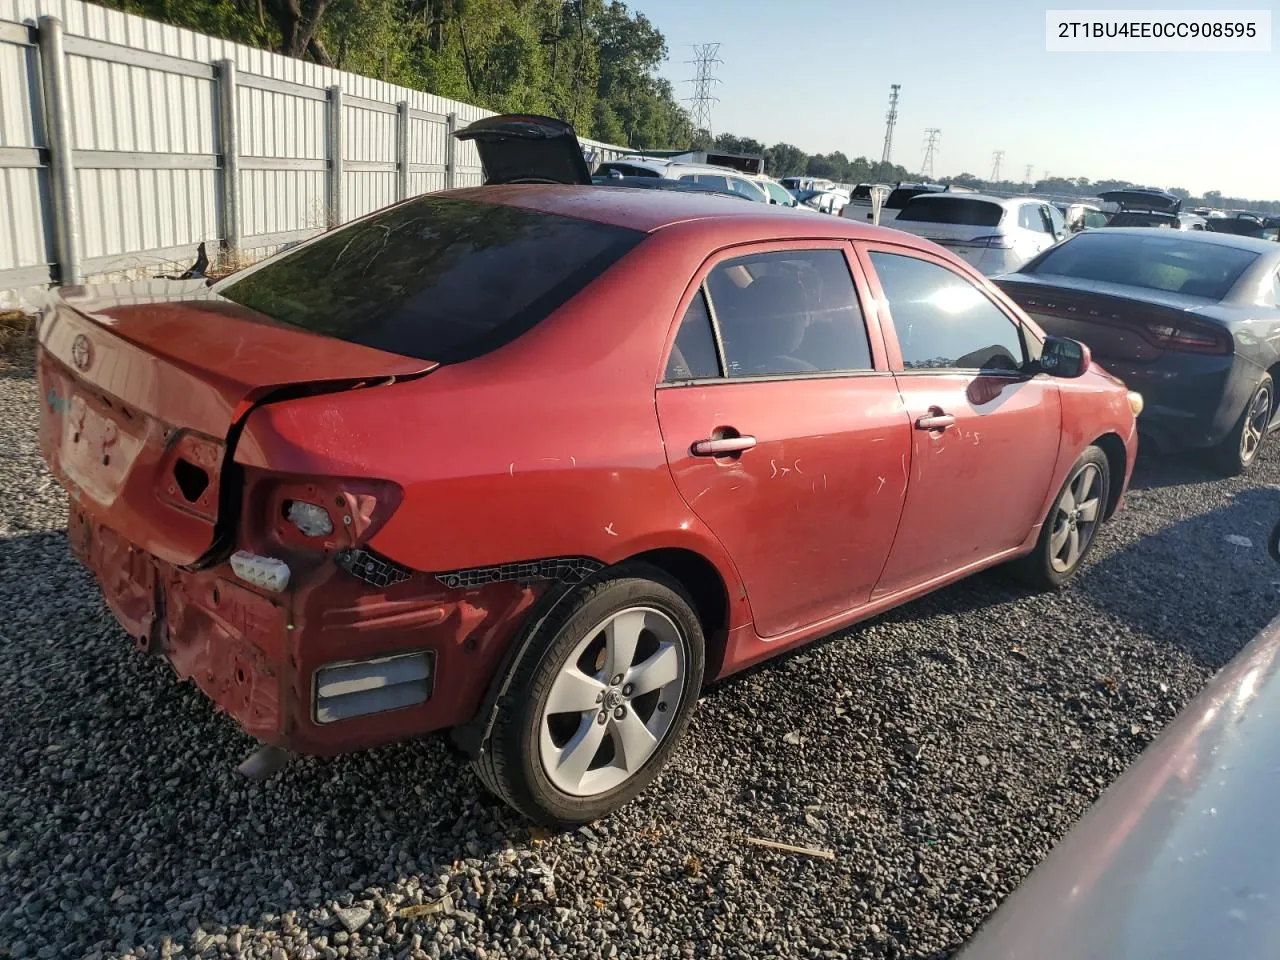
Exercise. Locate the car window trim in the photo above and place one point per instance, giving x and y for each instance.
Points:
(863, 249)
(876, 340)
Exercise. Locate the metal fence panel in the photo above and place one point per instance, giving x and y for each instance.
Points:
(148, 154)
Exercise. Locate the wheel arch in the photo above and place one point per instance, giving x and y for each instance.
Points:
(706, 587)
(1117, 462)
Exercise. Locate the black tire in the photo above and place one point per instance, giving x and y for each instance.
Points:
(510, 764)
(1238, 451)
(1042, 568)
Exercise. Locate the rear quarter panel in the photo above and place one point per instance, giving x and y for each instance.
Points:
(546, 447)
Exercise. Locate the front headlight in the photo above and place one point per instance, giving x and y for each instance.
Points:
(1135, 402)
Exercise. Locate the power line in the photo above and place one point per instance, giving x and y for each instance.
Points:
(931, 135)
(996, 157)
(891, 119)
(705, 57)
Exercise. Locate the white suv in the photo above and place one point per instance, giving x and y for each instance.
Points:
(995, 235)
(718, 178)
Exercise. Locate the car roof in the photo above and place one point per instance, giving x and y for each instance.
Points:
(653, 163)
(1252, 244)
(652, 210)
(1002, 201)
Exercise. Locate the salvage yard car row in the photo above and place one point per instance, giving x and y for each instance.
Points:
(712, 431)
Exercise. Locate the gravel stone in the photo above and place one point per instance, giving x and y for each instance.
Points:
(123, 825)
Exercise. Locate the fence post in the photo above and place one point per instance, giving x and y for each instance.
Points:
(402, 150)
(335, 156)
(450, 152)
(62, 169)
(229, 136)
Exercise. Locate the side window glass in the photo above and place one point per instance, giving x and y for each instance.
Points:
(715, 182)
(693, 355)
(1275, 287)
(793, 311)
(1029, 218)
(944, 321)
(1053, 222)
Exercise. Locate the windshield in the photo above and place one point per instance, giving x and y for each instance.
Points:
(437, 278)
(944, 209)
(1170, 264)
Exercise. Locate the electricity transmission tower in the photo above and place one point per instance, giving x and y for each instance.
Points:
(1029, 171)
(931, 135)
(996, 157)
(891, 119)
(705, 58)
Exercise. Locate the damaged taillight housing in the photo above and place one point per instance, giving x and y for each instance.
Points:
(315, 516)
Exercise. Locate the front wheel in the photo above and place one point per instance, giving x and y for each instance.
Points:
(1073, 520)
(597, 705)
(1239, 449)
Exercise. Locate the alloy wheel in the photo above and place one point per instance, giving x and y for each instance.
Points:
(1255, 424)
(612, 702)
(1076, 518)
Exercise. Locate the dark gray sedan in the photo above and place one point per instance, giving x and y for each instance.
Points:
(1189, 320)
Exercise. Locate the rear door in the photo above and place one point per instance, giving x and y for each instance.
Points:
(784, 429)
(985, 436)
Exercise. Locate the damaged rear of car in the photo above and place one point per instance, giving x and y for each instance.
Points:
(229, 497)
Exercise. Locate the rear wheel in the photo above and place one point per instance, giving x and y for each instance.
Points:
(1237, 452)
(595, 709)
(1071, 525)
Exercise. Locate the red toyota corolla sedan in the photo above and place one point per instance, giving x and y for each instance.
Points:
(531, 463)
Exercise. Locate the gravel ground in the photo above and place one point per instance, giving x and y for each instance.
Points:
(939, 752)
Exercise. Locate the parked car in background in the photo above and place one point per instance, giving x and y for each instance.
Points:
(1147, 207)
(860, 197)
(716, 178)
(1177, 859)
(659, 183)
(1247, 225)
(894, 203)
(824, 201)
(807, 184)
(778, 194)
(1082, 216)
(1191, 320)
(995, 235)
(555, 587)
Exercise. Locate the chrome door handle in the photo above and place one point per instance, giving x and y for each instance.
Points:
(937, 421)
(723, 446)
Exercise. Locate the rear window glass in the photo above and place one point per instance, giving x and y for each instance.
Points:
(1171, 264)
(437, 278)
(928, 209)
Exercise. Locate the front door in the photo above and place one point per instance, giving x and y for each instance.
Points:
(784, 429)
(984, 435)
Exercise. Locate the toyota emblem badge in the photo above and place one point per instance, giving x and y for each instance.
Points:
(81, 352)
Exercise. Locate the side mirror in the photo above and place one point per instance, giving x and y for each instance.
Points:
(1063, 357)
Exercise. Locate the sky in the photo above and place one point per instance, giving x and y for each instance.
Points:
(816, 73)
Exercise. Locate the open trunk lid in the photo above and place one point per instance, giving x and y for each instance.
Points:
(526, 148)
(1138, 198)
(143, 387)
